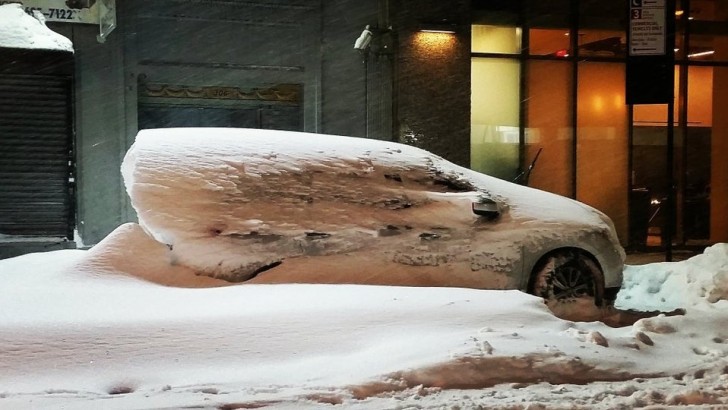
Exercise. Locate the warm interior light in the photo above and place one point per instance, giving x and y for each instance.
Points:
(701, 54)
(679, 12)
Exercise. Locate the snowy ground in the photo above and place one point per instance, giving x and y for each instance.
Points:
(106, 328)
(130, 324)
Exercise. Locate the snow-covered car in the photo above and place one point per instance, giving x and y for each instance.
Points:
(253, 206)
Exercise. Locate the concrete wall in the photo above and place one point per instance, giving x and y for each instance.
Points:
(100, 130)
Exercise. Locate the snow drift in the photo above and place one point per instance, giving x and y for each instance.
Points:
(18, 29)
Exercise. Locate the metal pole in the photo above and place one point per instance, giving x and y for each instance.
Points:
(670, 214)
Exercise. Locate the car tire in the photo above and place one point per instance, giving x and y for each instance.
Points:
(567, 275)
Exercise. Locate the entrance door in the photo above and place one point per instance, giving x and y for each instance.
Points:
(692, 173)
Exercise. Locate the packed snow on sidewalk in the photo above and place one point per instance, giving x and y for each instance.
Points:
(19, 29)
(123, 326)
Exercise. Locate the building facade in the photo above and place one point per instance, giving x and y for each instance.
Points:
(491, 85)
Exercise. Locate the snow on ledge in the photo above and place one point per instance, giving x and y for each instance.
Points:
(18, 29)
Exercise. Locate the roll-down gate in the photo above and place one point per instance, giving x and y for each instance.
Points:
(36, 157)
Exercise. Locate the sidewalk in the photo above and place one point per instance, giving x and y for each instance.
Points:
(642, 258)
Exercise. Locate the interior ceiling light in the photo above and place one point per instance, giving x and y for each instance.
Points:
(679, 12)
(701, 54)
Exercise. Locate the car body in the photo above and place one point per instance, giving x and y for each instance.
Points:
(268, 206)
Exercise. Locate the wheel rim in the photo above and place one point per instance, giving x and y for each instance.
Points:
(570, 282)
(565, 276)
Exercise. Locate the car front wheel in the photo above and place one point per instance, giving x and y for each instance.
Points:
(567, 275)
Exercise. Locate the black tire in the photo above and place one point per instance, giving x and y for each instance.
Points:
(565, 275)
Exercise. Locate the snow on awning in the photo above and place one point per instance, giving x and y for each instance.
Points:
(18, 29)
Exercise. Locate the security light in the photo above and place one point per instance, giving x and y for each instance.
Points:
(365, 39)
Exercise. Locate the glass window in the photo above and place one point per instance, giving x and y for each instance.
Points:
(602, 141)
(549, 42)
(709, 10)
(496, 39)
(708, 27)
(718, 188)
(548, 24)
(602, 28)
(708, 47)
(696, 209)
(495, 100)
(549, 127)
(602, 43)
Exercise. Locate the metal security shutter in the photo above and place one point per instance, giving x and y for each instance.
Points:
(35, 156)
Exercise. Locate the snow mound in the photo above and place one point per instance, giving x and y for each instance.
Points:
(668, 286)
(18, 29)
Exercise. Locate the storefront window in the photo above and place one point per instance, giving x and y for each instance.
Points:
(602, 28)
(602, 141)
(708, 47)
(709, 10)
(548, 24)
(649, 177)
(494, 120)
(548, 123)
(496, 39)
(549, 42)
(708, 28)
(718, 188)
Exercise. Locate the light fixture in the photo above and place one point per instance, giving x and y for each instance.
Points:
(425, 30)
(679, 12)
(701, 54)
(365, 39)
(443, 26)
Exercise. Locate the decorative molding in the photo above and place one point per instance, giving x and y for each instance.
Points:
(238, 3)
(232, 66)
(286, 93)
(182, 17)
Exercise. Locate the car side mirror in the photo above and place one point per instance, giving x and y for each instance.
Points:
(486, 207)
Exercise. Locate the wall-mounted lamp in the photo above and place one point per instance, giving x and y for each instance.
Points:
(431, 30)
(441, 26)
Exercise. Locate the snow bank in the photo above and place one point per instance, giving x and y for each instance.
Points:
(90, 329)
(667, 286)
(18, 29)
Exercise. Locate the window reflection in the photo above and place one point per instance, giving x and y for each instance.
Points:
(549, 42)
(602, 43)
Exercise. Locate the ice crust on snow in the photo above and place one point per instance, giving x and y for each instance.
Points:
(234, 202)
(18, 29)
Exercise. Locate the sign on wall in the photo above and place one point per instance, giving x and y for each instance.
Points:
(101, 12)
(647, 27)
(651, 53)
